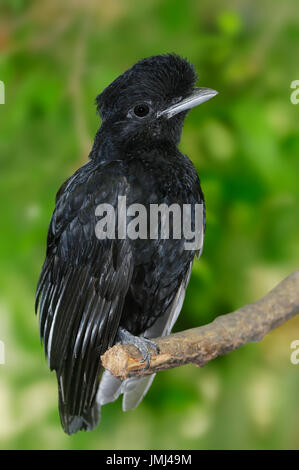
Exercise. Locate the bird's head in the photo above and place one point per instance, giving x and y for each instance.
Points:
(151, 99)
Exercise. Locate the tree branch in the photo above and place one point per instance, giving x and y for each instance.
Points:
(200, 345)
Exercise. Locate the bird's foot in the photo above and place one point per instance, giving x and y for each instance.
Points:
(142, 344)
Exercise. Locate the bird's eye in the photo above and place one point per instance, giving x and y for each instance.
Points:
(141, 110)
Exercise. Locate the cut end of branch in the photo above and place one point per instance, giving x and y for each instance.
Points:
(123, 361)
(115, 360)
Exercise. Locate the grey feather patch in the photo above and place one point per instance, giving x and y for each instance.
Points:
(134, 390)
(109, 389)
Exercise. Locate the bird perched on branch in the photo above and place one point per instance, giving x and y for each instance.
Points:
(94, 291)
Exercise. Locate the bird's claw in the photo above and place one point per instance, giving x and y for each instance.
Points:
(142, 344)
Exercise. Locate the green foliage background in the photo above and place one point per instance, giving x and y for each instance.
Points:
(55, 58)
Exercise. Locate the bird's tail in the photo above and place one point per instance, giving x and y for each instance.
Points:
(88, 420)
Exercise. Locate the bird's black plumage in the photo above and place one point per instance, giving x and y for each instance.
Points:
(89, 288)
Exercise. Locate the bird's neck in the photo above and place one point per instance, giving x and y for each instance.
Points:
(109, 146)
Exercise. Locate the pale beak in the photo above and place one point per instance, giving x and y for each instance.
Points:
(199, 95)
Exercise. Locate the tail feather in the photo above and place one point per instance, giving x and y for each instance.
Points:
(109, 389)
(86, 422)
(134, 390)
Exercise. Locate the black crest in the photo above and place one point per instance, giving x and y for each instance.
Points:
(160, 78)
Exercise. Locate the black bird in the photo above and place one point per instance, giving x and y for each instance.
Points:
(95, 292)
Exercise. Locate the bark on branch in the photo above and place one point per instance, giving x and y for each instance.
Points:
(224, 334)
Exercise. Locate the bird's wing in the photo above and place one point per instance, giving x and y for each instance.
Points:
(135, 388)
(81, 291)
